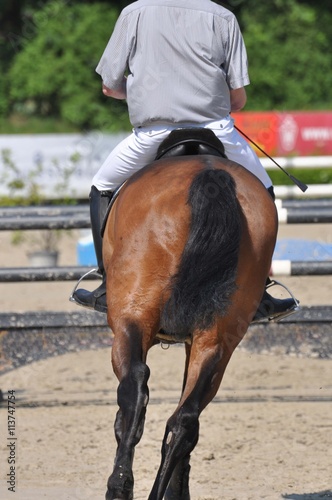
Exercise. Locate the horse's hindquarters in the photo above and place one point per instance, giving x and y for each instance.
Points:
(163, 245)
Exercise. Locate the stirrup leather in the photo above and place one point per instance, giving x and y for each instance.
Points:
(279, 316)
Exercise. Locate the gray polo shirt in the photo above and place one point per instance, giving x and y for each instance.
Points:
(181, 58)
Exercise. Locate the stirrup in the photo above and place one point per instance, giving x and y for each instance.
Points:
(275, 318)
(95, 272)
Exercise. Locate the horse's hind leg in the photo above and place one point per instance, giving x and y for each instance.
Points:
(178, 486)
(128, 359)
(208, 361)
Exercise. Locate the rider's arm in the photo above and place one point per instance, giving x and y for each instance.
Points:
(238, 98)
(120, 93)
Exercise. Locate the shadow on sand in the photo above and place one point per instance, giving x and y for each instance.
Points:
(309, 496)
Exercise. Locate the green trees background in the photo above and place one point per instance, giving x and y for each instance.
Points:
(49, 50)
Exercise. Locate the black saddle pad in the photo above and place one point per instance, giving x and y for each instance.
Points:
(191, 141)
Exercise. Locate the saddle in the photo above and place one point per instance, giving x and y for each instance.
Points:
(190, 141)
(180, 142)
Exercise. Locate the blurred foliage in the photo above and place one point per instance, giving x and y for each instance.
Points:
(18, 123)
(49, 50)
(54, 71)
(27, 187)
(306, 175)
(288, 46)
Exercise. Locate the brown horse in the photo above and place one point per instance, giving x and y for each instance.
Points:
(187, 249)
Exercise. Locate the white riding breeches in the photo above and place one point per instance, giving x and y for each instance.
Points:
(140, 148)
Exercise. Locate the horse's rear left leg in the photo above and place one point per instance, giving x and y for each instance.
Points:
(128, 359)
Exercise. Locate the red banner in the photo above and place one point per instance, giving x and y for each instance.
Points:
(288, 133)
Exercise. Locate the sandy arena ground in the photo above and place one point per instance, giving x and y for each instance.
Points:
(267, 435)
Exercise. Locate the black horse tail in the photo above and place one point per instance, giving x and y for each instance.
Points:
(206, 277)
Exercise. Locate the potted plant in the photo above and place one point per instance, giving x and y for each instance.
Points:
(26, 189)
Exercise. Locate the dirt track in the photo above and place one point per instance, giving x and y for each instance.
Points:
(268, 435)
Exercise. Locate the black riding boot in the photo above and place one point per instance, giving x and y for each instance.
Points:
(99, 201)
(270, 307)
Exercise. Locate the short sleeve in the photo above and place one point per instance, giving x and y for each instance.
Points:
(236, 61)
(114, 61)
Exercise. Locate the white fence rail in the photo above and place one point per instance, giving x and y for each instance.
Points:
(313, 191)
(298, 162)
(91, 149)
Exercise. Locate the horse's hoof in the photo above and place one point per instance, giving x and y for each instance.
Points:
(120, 485)
(115, 495)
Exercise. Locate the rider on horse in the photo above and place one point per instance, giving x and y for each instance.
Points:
(180, 64)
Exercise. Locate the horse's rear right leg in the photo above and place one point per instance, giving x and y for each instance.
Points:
(178, 486)
(208, 360)
(128, 360)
